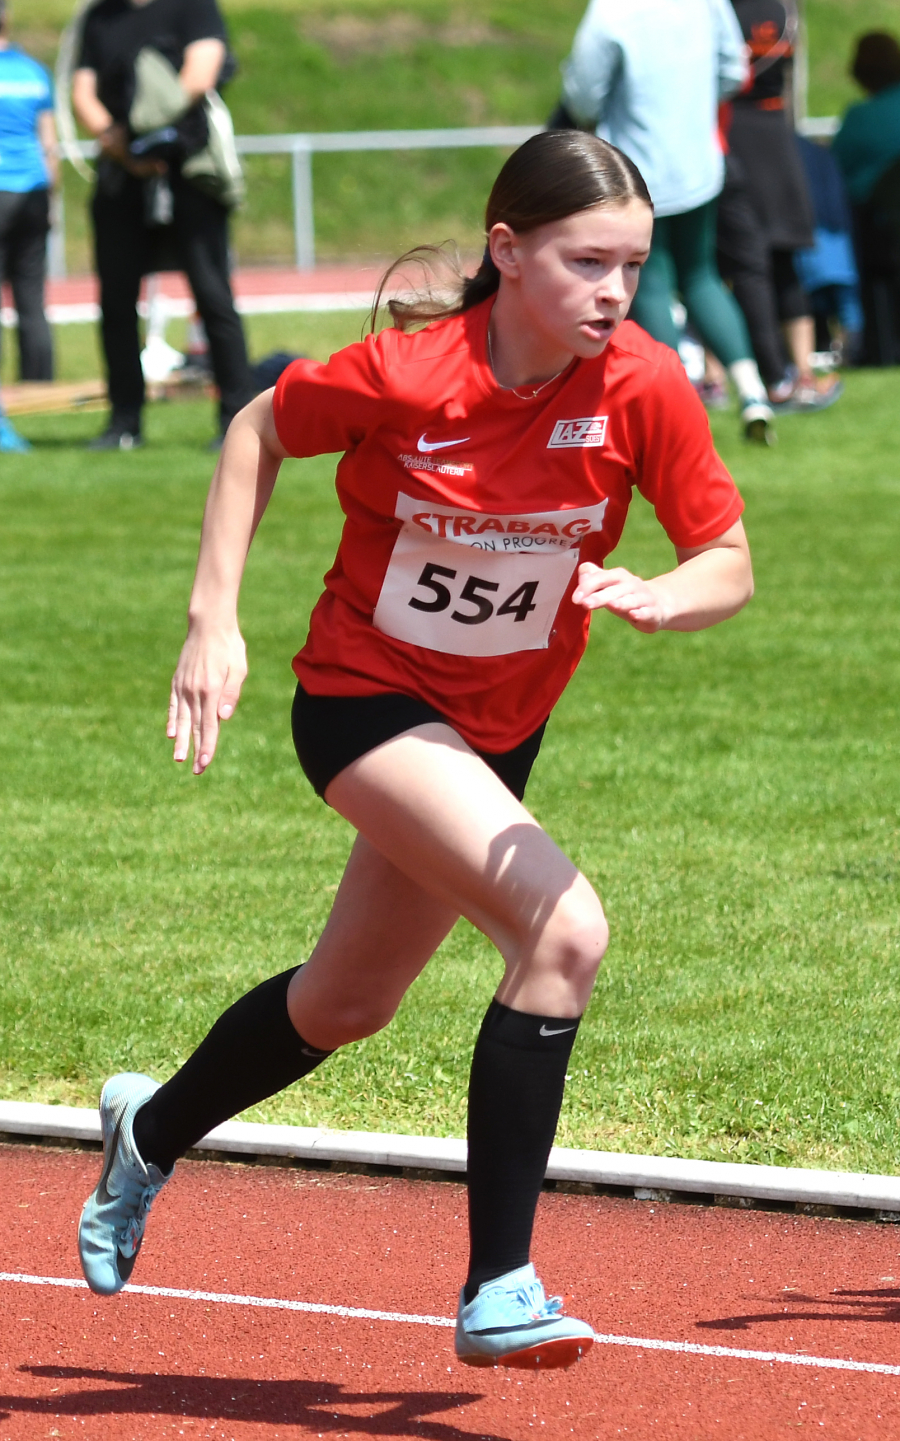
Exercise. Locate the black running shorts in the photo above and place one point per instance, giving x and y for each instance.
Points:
(331, 731)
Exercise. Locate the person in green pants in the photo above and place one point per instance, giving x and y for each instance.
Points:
(649, 78)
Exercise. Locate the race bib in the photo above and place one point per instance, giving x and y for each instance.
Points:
(472, 583)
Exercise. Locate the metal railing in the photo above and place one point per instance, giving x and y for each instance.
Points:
(301, 147)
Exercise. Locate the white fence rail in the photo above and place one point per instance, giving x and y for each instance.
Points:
(301, 147)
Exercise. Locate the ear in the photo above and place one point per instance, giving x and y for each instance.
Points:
(504, 248)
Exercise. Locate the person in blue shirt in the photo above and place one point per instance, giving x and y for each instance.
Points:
(28, 171)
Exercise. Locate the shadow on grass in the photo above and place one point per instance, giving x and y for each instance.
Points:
(882, 1306)
(319, 1405)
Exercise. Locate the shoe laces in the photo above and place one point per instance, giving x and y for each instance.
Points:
(141, 1195)
(527, 1301)
(531, 1297)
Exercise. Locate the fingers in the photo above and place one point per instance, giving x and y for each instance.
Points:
(205, 730)
(592, 580)
(618, 591)
(203, 694)
(231, 692)
(179, 723)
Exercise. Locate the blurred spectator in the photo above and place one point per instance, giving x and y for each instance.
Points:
(867, 148)
(28, 169)
(828, 271)
(767, 213)
(649, 78)
(869, 138)
(11, 441)
(143, 84)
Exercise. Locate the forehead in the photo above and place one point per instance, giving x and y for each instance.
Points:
(605, 226)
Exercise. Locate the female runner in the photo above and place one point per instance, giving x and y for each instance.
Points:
(488, 465)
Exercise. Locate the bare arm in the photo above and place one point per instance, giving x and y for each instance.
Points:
(46, 130)
(203, 63)
(112, 137)
(213, 662)
(710, 583)
(90, 112)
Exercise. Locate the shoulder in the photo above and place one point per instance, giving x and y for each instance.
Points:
(103, 10)
(434, 357)
(100, 14)
(632, 351)
(205, 15)
(23, 65)
(652, 384)
(856, 117)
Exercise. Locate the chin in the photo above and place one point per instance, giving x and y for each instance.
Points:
(587, 349)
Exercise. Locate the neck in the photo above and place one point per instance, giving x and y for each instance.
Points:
(521, 355)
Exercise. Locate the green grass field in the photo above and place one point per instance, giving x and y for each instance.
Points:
(733, 795)
(396, 64)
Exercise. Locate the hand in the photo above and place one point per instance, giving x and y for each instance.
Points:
(114, 143)
(622, 593)
(206, 688)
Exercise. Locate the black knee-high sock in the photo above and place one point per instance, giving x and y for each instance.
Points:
(251, 1052)
(515, 1093)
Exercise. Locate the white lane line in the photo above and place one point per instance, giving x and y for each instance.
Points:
(788, 1358)
(223, 1299)
(642, 1343)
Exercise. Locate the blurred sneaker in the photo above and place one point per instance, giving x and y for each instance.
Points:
(116, 437)
(10, 439)
(758, 420)
(713, 394)
(786, 386)
(812, 396)
(112, 1223)
(512, 1323)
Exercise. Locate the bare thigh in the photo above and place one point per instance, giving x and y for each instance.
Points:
(383, 929)
(444, 837)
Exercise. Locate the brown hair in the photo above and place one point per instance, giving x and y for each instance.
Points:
(554, 174)
(876, 64)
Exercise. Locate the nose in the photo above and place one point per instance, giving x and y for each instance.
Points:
(612, 289)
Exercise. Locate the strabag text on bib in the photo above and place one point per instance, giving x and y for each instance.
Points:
(472, 583)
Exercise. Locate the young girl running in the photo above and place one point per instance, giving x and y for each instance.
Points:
(488, 465)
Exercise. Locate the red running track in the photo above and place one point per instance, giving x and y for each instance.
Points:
(147, 1366)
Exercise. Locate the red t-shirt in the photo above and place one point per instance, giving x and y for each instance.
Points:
(468, 510)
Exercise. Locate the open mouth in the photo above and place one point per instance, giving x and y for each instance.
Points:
(600, 328)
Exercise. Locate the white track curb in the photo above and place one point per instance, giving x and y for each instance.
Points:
(646, 1175)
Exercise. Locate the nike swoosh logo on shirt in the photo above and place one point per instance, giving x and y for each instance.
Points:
(425, 447)
(561, 1032)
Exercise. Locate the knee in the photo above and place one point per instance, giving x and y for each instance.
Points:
(353, 1021)
(341, 1022)
(580, 936)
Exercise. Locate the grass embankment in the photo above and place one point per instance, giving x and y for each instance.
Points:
(734, 796)
(396, 64)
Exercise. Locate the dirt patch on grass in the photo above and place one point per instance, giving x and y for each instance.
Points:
(346, 37)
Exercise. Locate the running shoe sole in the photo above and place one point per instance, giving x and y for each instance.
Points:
(551, 1356)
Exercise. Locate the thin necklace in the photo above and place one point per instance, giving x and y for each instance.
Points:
(511, 388)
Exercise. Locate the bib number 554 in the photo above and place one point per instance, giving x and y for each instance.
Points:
(476, 592)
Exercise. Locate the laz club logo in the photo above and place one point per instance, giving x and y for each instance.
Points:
(589, 430)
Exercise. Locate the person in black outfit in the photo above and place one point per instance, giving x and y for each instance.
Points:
(131, 240)
(765, 213)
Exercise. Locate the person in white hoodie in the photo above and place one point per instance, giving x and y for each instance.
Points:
(649, 77)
